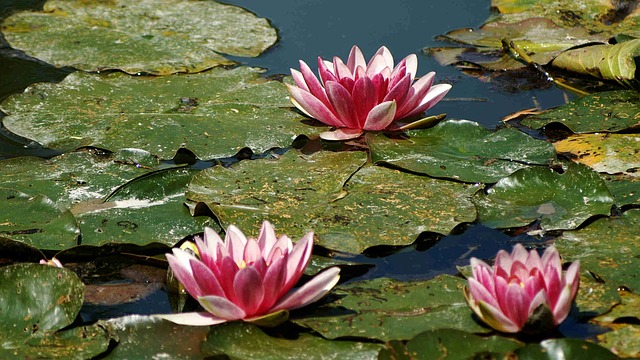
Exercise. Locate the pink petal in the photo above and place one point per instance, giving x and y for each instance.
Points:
(381, 82)
(519, 272)
(411, 63)
(519, 253)
(399, 91)
(551, 257)
(180, 265)
(415, 94)
(249, 290)
(266, 238)
(343, 104)
(221, 307)
(562, 305)
(381, 116)
(356, 59)
(252, 252)
(274, 281)
(502, 264)
(341, 134)
(299, 79)
(311, 106)
(435, 94)
(310, 292)
(298, 259)
(325, 69)
(381, 59)
(235, 242)
(340, 69)
(364, 95)
(533, 261)
(313, 84)
(516, 306)
(205, 279)
(496, 319)
(479, 292)
(226, 273)
(572, 277)
(192, 318)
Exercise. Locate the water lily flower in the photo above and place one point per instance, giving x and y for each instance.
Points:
(359, 96)
(53, 262)
(522, 290)
(245, 278)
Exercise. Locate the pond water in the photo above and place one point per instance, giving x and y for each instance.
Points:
(311, 28)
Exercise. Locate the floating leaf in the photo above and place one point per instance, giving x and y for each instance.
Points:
(85, 342)
(240, 340)
(608, 111)
(610, 153)
(385, 309)
(377, 206)
(214, 114)
(36, 220)
(625, 189)
(150, 36)
(462, 150)
(36, 299)
(450, 343)
(603, 61)
(623, 340)
(608, 247)
(556, 349)
(559, 201)
(148, 337)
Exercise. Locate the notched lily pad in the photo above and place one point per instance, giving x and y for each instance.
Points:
(608, 111)
(386, 309)
(376, 206)
(214, 114)
(150, 36)
(462, 150)
(559, 201)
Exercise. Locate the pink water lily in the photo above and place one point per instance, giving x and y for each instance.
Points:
(359, 96)
(245, 278)
(522, 289)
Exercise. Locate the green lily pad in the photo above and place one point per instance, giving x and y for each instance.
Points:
(609, 153)
(36, 220)
(608, 111)
(386, 309)
(450, 343)
(557, 349)
(146, 210)
(239, 340)
(462, 150)
(559, 201)
(608, 62)
(376, 206)
(628, 309)
(148, 337)
(150, 36)
(214, 114)
(76, 176)
(608, 247)
(623, 340)
(36, 299)
(85, 342)
(625, 189)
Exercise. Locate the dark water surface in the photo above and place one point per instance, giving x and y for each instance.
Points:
(326, 28)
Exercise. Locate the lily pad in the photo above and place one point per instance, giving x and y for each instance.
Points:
(36, 220)
(150, 36)
(608, 247)
(36, 299)
(239, 340)
(450, 343)
(559, 201)
(610, 153)
(214, 114)
(462, 150)
(607, 62)
(608, 111)
(386, 309)
(625, 189)
(623, 340)
(85, 342)
(376, 206)
(556, 349)
(149, 337)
